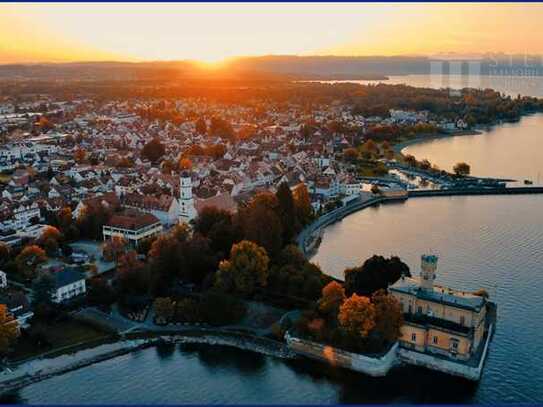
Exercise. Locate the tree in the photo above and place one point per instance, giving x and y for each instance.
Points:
(375, 189)
(129, 262)
(370, 146)
(133, 278)
(333, 295)
(168, 166)
(153, 150)
(425, 164)
(114, 248)
(185, 164)
(164, 308)
(43, 288)
(29, 258)
(287, 212)
(44, 124)
(376, 273)
(64, 218)
(201, 126)
(350, 155)
(302, 202)
(198, 259)
(246, 270)
(217, 308)
(100, 293)
(410, 160)
(5, 252)
(80, 155)
(462, 169)
(50, 239)
(388, 317)
(261, 223)
(92, 219)
(221, 128)
(357, 316)
(8, 329)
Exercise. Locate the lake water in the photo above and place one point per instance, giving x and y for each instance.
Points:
(510, 150)
(509, 85)
(494, 242)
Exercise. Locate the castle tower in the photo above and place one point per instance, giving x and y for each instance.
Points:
(428, 266)
(187, 212)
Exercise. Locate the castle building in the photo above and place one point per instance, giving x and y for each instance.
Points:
(187, 211)
(440, 321)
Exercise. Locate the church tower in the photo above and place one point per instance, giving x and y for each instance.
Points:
(428, 266)
(187, 212)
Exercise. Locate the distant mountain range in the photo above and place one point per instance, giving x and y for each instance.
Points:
(276, 68)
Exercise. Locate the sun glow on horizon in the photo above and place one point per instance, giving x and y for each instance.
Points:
(214, 33)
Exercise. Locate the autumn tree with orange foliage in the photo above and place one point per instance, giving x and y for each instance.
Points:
(357, 316)
(333, 296)
(50, 239)
(245, 271)
(29, 258)
(8, 329)
(114, 248)
(185, 164)
(80, 155)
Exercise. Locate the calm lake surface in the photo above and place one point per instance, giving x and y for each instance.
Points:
(491, 242)
(510, 85)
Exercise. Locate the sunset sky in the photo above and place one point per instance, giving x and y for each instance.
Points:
(210, 32)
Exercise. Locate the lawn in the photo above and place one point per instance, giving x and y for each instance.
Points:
(59, 335)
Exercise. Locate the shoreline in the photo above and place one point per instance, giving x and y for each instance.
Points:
(476, 131)
(398, 147)
(30, 372)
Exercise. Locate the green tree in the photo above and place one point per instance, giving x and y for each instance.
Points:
(376, 273)
(246, 270)
(5, 252)
(287, 212)
(302, 202)
(100, 293)
(261, 224)
(43, 288)
(218, 226)
(153, 150)
(164, 308)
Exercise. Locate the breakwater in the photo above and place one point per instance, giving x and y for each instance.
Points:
(475, 191)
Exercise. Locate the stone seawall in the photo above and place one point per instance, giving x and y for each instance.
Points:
(372, 366)
(249, 343)
(44, 368)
